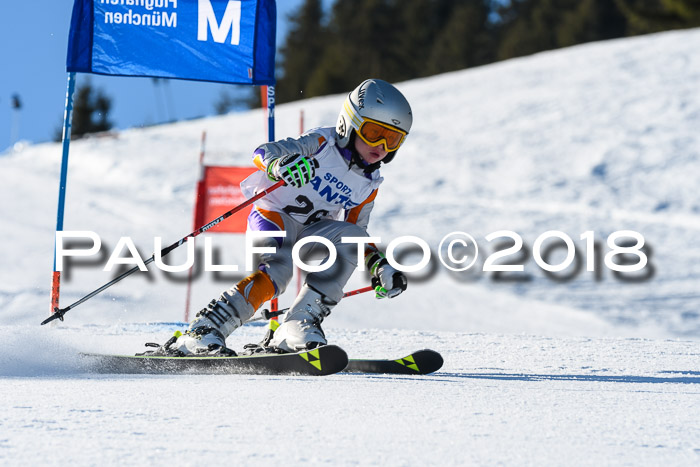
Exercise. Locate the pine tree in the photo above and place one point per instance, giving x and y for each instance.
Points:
(532, 30)
(591, 20)
(647, 16)
(398, 40)
(464, 41)
(417, 22)
(303, 46)
(90, 110)
(359, 46)
(532, 26)
(229, 100)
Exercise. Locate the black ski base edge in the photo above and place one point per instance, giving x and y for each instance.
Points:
(422, 362)
(321, 361)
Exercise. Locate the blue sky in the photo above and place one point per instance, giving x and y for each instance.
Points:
(33, 38)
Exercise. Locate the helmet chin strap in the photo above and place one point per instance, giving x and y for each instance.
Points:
(357, 159)
(389, 157)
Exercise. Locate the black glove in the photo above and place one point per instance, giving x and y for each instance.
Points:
(387, 281)
(296, 170)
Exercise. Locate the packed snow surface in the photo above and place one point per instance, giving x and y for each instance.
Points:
(601, 368)
(499, 399)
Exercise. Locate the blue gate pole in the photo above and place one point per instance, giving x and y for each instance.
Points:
(270, 98)
(67, 124)
(270, 113)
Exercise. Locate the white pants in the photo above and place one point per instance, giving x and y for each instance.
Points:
(280, 267)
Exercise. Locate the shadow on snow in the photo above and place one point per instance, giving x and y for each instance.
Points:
(587, 378)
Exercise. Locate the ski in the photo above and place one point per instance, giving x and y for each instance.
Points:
(421, 362)
(324, 360)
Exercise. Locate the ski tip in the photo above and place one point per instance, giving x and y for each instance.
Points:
(423, 361)
(333, 358)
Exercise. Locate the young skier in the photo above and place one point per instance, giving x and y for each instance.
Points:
(332, 177)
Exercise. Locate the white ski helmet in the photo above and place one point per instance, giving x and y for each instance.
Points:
(376, 101)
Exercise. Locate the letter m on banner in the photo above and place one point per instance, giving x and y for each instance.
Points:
(230, 22)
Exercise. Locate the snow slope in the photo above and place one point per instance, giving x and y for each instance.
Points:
(601, 137)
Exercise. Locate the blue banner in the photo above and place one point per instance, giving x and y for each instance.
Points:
(227, 41)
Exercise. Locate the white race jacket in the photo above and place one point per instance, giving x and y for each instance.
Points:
(338, 191)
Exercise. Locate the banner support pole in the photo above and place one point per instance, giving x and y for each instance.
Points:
(67, 126)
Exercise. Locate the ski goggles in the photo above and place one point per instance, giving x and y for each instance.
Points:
(375, 133)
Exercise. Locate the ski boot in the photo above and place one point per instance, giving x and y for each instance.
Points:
(301, 327)
(207, 334)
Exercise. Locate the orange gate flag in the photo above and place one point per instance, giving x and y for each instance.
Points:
(218, 192)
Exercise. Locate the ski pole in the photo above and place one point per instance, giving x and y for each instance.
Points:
(58, 313)
(268, 315)
(369, 288)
